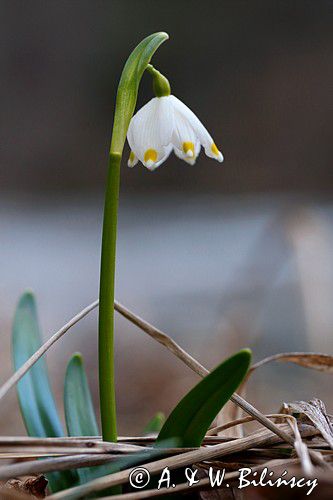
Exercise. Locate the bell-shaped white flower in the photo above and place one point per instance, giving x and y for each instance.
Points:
(165, 124)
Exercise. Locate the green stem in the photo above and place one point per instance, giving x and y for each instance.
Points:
(127, 93)
(106, 310)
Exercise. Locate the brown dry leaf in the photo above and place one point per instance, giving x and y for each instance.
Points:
(34, 486)
(312, 360)
(316, 361)
(314, 411)
(10, 494)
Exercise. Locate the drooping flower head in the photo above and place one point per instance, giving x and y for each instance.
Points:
(164, 124)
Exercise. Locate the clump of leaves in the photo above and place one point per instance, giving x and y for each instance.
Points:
(186, 426)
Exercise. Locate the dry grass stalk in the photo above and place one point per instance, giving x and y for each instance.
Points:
(263, 438)
(204, 483)
(53, 464)
(239, 421)
(91, 441)
(300, 447)
(101, 447)
(81, 460)
(66, 446)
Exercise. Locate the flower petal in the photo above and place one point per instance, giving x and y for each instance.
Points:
(150, 131)
(195, 124)
(183, 154)
(132, 160)
(162, 156)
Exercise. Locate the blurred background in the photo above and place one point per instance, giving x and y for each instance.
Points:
(218, 256)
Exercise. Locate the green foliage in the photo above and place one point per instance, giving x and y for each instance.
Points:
(128, 87)
(79, 412)
(193, 415)
(155, 424)
(35, 396)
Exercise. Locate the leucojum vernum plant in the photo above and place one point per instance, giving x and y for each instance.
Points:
(163, 125)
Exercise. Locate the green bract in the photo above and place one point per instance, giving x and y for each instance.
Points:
(161, 85)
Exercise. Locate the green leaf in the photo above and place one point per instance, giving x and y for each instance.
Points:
(79, 412)
(35, 396)
(129, 84)
(155, 424)
(192, 417)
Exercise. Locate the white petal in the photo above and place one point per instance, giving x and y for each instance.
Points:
(186, 157)
(132, 160)
(163, 156)
(182, 132)
(200, 131)
(150, 130)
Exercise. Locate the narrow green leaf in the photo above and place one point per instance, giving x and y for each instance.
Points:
(192, 417)
(79, 412)
(34, 392)
(155, 424)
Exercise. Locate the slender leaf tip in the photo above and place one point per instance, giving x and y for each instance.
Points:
(77, 357)
(246, 351)
(27, 297)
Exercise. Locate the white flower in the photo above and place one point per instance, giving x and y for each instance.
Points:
(165, 124)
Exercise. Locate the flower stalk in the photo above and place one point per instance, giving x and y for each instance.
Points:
(125, 105)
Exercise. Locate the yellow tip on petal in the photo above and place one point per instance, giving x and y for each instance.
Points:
(216, 152)
(214, 149)
(150, 157)
(188, 148)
